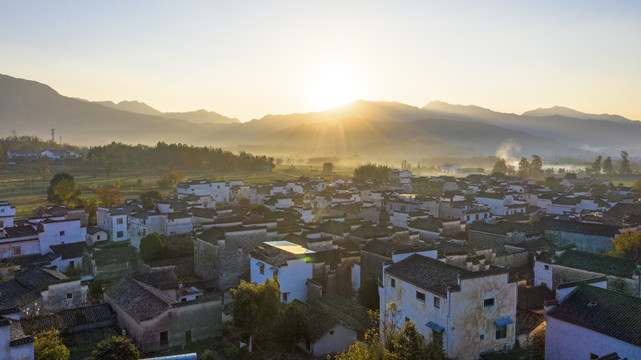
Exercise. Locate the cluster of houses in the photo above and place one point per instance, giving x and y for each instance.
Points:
(30, 155)
(482, 265)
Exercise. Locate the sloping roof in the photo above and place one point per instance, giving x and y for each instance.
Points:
(429, 224)
(163, 279)
(138, 301)
(66, 319)
(578, 227)
(427, 273)
(601, 264)
(320, 322)
(607, 312)
(387, 248)
(527, 320)
(71, 250)
(39, 278)
(533, 298)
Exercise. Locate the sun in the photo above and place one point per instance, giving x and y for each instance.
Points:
(332, 86)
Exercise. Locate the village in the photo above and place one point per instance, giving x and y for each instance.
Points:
(485, 266)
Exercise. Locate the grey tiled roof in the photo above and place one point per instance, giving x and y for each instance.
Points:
(136, 300)
(163, 279)
(601, 264)
(607, 312)
(319, 321)
(71, 250)
(427, 273)
(527, 320)
(66, 319)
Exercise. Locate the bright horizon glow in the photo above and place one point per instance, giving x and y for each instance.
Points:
(333, 86)
(249, 59)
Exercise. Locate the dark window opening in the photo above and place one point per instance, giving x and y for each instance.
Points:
(501, 332)
(488, 302)
(393, 283)
(437, 302)
(420, 296)
(164, 338)
(69, 295)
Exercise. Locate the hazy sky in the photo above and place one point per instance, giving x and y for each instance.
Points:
(246, 59)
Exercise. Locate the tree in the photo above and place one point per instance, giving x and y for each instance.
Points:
(596, 165)
(293, 326)
(63, 189)
(153, 247)
(115, 348)
(524, 167)
(170, 180)
(500, 167)
(117, 183)
(149, 199)
(372, 172)
(536, 166)
(401, 341)
(598, 190)
(255, 309)
(328, 167)
(49, 346)
(208, 355)
(570, 176)
(110, 196)
(625, 164)
(91, 207)
(628, 244)
(368, 294)
(637, 185)
(607, 165)
(42, 166)
(406, 165)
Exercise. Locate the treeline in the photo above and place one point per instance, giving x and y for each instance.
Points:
(175, 156)
(372, 172)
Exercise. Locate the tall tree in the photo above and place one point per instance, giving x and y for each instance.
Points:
(500, 167)
(63, 189)
(536, 166)
(255, 308)
(625, 163)
(49, 346)
(596, 165)
(153, 247)
(607, 165)
(110, 196)
(524, 167)
(115, 348)
(149, 199)
(628, 244)
(328, 167)
(293, 326)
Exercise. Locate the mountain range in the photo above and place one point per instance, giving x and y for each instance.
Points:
(375, 130)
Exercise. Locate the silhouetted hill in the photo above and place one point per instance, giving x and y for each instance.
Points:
(199, 116)
(571, 113)
(33, 108)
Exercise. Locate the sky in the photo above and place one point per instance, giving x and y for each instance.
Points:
(246, 59)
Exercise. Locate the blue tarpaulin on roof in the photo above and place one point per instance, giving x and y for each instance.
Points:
(273, 269)
(260, 263)
(434, 326)
(503, 321)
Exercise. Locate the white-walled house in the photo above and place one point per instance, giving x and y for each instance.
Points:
(114, 221)
(328, 334)
(285, 261)
(7, 215)
(593, 321)
(14, 344)
(439, 299)
(56, 232)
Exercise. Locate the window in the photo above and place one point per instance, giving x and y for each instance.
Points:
(331, 332)
(72, 264)
(98, 237)
(164, 338)
(119, 221)
(262, 269)
(62, 233)
(501, 332)
(437, 302)
(420, 296)
(285, 297)
(547, 267)
(69, 295)
(488, 302)
(188, 337)
(482, 337)
(120, 234)
(393, 283)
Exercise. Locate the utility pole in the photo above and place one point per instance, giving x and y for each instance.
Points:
(53, 135)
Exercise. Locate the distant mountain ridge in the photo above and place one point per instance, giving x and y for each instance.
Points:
(377, 130)
(201, 116)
